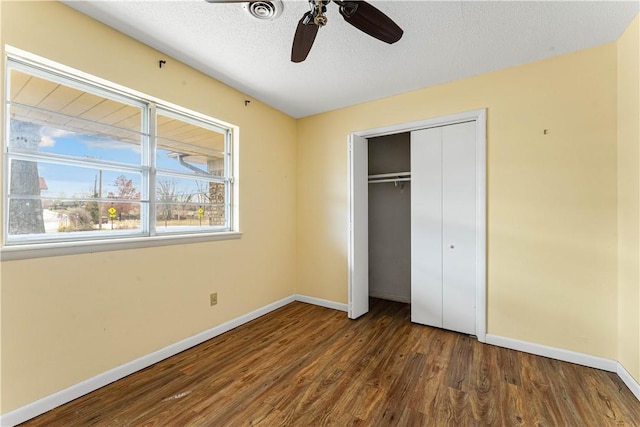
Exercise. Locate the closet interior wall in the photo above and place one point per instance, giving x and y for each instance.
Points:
(390, 219)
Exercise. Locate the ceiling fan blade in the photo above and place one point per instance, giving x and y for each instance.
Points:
(371, 20)
(304, 38)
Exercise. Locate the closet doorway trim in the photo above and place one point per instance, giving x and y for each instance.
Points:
(480, 118)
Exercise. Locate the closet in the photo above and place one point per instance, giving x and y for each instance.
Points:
(417, 232)
(389, 179)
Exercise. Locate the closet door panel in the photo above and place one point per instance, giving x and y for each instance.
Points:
(426, 227)
(359, 229)
(458, 227)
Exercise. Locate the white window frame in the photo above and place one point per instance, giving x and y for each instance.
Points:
(79, 242)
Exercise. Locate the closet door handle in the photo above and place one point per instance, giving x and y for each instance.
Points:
(452, 247)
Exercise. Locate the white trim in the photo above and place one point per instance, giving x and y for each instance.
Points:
(481, 225)
(480, 117)
(596, 362)
(465, 116)
(40, 250)
(554, 353)
(630, 382)
(350, 238)
(45, 404)
(19, 247)
(322, 302)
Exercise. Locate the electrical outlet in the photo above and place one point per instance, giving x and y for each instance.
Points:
(213, 298)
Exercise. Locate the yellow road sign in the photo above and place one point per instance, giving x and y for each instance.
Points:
(112, 212)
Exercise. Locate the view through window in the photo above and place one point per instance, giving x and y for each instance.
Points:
(84, 162)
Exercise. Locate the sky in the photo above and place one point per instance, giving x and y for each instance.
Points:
(81, 181)
(70, 180)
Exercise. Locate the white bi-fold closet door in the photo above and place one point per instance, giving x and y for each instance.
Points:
(448, 221)
(443, 227)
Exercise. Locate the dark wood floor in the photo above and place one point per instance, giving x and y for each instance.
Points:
(304, 365)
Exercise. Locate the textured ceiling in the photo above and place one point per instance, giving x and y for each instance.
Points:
(442, 41)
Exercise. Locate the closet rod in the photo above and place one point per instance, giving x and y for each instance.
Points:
(376, 181)
(390, 175)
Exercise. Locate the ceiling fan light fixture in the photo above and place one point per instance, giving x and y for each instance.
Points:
(265, 10)
(359, 13)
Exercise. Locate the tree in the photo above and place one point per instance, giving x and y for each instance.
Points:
(92, 207)
(25, 215)
(94, 210)
(126, 190)
(166, 190)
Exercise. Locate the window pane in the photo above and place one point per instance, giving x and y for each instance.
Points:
(189, 148)
(189, 202)
(178, 216)
(60, 217)
(82, 162)
(44, 194)
(50, 117)
(59, 180)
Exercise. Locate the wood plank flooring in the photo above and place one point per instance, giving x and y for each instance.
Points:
(304, 365)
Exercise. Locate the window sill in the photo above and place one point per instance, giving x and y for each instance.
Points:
(43, 250)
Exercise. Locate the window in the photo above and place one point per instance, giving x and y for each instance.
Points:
(85, 162)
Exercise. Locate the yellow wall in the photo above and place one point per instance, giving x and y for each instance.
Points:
(553, 213)
(552, 247)
(629, 199)
(66, 319)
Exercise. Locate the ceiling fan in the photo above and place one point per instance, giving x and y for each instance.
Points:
(362, 15)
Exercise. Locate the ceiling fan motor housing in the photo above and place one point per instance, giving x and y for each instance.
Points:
(265, 10)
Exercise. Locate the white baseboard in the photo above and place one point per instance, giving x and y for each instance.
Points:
(569, 356)
(322, 302)
(45, 404)
(554, 353)
(631, 382)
